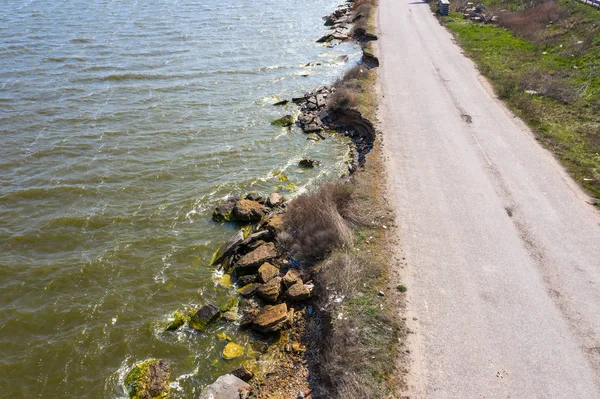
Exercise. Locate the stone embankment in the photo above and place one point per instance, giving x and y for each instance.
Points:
(274, 291)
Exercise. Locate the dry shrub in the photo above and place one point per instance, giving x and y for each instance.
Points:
(314, 225)
(348, 89)
(342, 98)
(529, 23)
(345, 269)
(549, 85)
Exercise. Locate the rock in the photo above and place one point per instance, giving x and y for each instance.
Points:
(243, 374)
(275, 199)
(285, 121)
(248, 211)
(249, 318)
(312, 128)
(245, 280)
(298, 292)
(292, 277)
(275, 224)
(282, 102)
(271, 318)
(381, 293)
(249, 289)
(179, 319)
(370, 60)
(321, 102)
(308, 163)
(228, 248)
(203, 317)
(271, 290)
(339, 36)
(249, 262)
(225, 387)
(231, 303)
(325, 39)
(342, 58)
(267, 272)
(255, 197)
(298, 100)
(232, 350)
(223, 212)
(149, 380)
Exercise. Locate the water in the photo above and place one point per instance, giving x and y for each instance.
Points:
(122, 124)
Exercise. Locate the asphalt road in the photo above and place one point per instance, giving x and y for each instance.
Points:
(503, 250)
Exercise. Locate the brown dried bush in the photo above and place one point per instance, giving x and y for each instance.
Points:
(314, 223)
(529, 23)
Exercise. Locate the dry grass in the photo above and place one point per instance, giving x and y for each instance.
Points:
(314, 223)
(530, 23)
(548, 84)
(350, 89)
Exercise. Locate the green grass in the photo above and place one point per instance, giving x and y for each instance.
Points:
(565, 114)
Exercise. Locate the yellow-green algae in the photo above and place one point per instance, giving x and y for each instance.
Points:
(232, 351)
(138, 379)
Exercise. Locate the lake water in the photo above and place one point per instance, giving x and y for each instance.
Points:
(122, 124)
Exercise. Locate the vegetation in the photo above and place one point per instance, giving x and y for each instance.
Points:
(543, 59)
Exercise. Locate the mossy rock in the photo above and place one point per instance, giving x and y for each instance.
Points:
(149, 380)
(230, 304)
(232, 351)
(286, 121)
(223, 337)
(224, 280)
(179, 319)
(287, 187)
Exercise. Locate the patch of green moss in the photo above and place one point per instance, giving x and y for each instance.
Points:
(139, 378)
(179, 319)
(230, 304)
(286, 121)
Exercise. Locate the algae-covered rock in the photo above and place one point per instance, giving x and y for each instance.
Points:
(224, 280)
(247, 279)
(203, 317)
(228, 248)
(223, 337)
(286, 121)
(232, 350)
(223, 212)
(249, 289)
(149, 380)
(179, 319)
(230, 304)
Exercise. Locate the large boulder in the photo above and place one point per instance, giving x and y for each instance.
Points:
(271, 318)
(271, 290)
(267, 272)
(203, 317)
(228, 248)
(248, 211)
(224, 211)
(248, 263)
(225, 387)
(149, 380)
(298, 292)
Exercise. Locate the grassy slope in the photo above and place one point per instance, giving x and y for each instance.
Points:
(562, 62)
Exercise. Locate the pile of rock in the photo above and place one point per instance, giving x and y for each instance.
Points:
(478, 13)
(250, 209)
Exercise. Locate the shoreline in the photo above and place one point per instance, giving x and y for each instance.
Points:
(284, 300)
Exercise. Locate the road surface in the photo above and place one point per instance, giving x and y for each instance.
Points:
(503, 250)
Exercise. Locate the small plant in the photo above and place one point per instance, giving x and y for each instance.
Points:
(402, 288)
